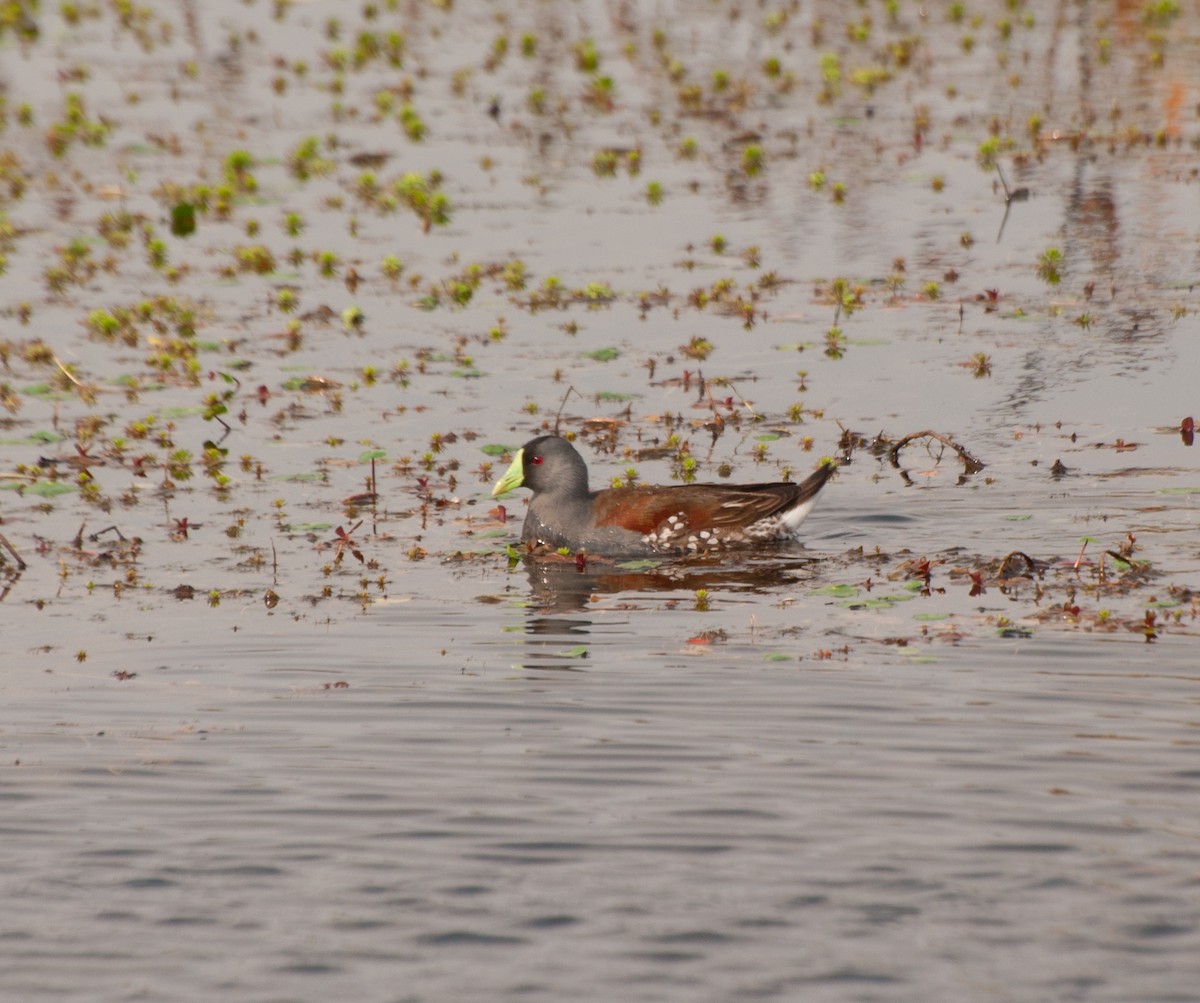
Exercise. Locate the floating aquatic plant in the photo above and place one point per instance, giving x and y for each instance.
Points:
(1049, 266)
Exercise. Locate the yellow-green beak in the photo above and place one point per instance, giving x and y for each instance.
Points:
(513, 477)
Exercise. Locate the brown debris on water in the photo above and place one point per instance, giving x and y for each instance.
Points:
(971, 465)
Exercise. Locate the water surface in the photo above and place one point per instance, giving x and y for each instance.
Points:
(942, 749)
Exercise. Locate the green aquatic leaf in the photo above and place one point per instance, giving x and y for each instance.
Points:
(43, 438)
(612, 395)
(603, 354)
(495, 449)
(141, 385)
(307, 527)
(579, 651)
(837, 591)
(1022, 517)
(48, 489)
(866, 604)
(645, 564)
(372, 454)
(876, 602)
(931, 616)
(778, 656)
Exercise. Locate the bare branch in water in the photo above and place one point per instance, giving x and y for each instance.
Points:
(971, 465)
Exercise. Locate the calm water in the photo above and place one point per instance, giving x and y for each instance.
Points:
(1014, 820)
(235, 767)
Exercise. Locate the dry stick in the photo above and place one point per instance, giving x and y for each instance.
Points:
(742, 400)
(12, 550)
(374, 501)
(1016, 194)
(1029, 562)
(274, 565)
(558, 417)
(66, 372)
(717, 426)
(972, 464)
(845, 443)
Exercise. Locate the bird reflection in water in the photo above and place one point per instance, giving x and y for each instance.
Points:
(568, 604)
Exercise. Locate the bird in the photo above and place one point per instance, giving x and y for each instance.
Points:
(649, 521)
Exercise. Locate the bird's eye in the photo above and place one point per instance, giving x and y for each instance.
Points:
(535, 461)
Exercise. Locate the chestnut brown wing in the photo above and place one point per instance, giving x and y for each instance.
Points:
(702, 506)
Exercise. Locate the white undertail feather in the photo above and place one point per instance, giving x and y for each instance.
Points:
(792, 518)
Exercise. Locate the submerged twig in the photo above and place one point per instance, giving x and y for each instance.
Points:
(971, 464)
(12, 550)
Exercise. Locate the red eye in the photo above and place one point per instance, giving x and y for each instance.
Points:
(535, 461)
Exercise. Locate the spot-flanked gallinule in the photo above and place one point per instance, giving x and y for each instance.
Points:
(645, 521)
